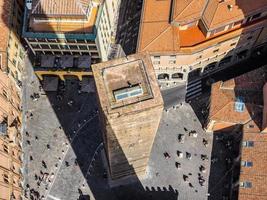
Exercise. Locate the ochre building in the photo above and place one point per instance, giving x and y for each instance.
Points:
(11, 66)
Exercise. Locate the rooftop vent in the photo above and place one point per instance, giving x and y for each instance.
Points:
(230, 7)
(125, 93)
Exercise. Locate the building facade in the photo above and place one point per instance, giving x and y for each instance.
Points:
(107, 27)
(10, 139)
(130, 110)
(200, 37)
(69, 30)
(11, 66)
(11, 50)
(237, 109)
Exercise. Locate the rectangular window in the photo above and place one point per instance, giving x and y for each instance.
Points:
(5, 177)
(44, 46)
(246, 184)
(172, 61)
(219, 29)
(248, 143)
(216, 50)
(156, 57)
(21, 54)
(54, 46)
(3, 128)
(83, 47)
(35, 46)
(31, 39)
(156, 62)
(52, 40)
(246, 163)
(4, 92)
(63, 46)
(71, 40)
(239, 105)
(41, 40)
(250, 126)
(73, 47)
(93, 48)
(5, 147)
(14, 61)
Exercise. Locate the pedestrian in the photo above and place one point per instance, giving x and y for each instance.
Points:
(76, 162)
(67, 163)
(31, 158)
(27, 133)
(44, 164)
(36, 138)
(48, 146)
(28, 142)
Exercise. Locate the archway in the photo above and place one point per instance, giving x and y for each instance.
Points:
(163, 76)
(177, 76)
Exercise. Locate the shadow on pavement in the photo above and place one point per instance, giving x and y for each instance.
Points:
(74, 109)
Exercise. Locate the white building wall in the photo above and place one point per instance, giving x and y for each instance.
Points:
(106, 26)
(184, 63)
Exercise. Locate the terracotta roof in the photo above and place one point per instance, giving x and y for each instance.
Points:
(224, 116)
(60, 7)
(224, 94)
(159, 34)
(155, 27)
(222, 12)
(187, 10)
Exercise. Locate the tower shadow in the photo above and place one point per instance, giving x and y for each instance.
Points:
(77, 114)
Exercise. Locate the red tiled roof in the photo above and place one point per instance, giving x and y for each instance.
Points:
(223, 114)
(158, 32)
(219, 13)
(60, 7)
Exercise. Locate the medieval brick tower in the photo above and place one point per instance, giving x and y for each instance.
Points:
(130, 110)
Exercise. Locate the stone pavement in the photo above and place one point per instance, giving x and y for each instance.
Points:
(60, 141)
(67, 137)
